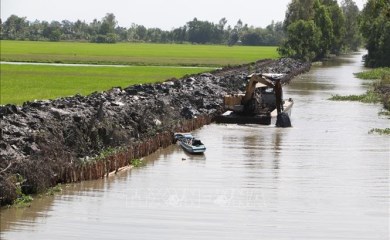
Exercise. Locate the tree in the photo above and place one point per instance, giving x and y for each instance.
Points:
(140, 33)
(303, 41)
(108, 24)
(329, 22)
(179, 35)
(1, 29)
(233, 38)
(274, 34)
(375, 27)
(67, 30)
(352, 39)
(200, 31)
(154, 35)
(81, 31)
(94, 27)
(52, 31)
(324, 23)
(338, 20)
(219, 32)
(251, 38)
(338, 25)
(238, 25)
(15, 28)
(238, 28)
(122, 33)
(105, 30)
(298, 10)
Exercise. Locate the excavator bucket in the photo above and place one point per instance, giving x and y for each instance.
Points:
(283, 120)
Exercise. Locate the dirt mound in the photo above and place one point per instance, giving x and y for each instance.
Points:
(40, 140)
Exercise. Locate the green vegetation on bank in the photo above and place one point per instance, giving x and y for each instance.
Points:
(377, 73)
(132, 53)
(380, 131)
(25, 200)
(369, 97)
(54, 190)
(22, 200)
(379, 92)
(138, 163)
(20, 83)
(380, 87)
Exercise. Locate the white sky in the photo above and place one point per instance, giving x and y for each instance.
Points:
(164, 14)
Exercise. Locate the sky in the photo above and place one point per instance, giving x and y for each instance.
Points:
(164, 14)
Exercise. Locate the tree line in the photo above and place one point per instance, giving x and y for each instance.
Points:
(312, 30)
(375, 27)
(318, 28)
(107, 30)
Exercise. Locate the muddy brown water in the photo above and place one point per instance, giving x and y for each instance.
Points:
(325, 178)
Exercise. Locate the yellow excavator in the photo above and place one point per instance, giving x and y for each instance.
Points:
(261, 103)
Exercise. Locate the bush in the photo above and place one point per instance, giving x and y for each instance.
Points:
(109, 38)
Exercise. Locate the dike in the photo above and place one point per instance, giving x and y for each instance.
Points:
(71, 139)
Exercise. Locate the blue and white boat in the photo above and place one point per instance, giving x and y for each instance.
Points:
(189, 143)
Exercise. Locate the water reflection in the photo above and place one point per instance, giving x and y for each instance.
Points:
(311, 82)
(277, 143)
(10, 219)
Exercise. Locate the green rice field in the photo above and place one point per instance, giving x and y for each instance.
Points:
(20, 83)
(146, 63)
(132, 53)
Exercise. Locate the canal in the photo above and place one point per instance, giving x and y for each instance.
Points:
(324, 178)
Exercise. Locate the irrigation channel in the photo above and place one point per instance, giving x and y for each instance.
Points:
(325, 178)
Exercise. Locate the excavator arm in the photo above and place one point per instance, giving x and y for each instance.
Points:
(245, 108)
(251, 86)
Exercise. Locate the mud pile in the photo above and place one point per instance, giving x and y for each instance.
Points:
(43, 143)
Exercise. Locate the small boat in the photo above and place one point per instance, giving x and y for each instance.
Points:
(189, 143)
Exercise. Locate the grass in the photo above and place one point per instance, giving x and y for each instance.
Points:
(380, 131)
(25, 200)
(369, 97)
(133, 53)
(376, 73)
(385, 113)
(138, 163)
(54, 190)
(22, 199)
(379, 92)
(20, 83)
(381, 87)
